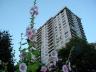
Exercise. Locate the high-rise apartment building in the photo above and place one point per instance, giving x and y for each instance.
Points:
(56, 32)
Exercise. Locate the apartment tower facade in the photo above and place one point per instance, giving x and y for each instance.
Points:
(56, 32)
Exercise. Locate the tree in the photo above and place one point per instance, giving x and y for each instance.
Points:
(6, 52)
(82, 57)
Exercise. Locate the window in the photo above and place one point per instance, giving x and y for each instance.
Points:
(62, 16)
(60, 38)
(65, 26)
(59, 26)
(56, 28)
(57, 40)
(60, 29)
(66, 34)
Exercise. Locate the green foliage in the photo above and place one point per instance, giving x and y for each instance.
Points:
(32, 64)
(6, 51)
(33, 67)
(36, 53)
(17, 67)
(83, 55)
(75, 42)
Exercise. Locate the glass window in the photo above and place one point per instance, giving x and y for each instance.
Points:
(66, 34)
(65, 26)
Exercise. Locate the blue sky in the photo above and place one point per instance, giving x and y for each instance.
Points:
(15, 16)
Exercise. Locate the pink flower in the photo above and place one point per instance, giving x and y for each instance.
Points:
(29, 33)
(22, 67)
(43, 69)
(65, 68)
(22, 55)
